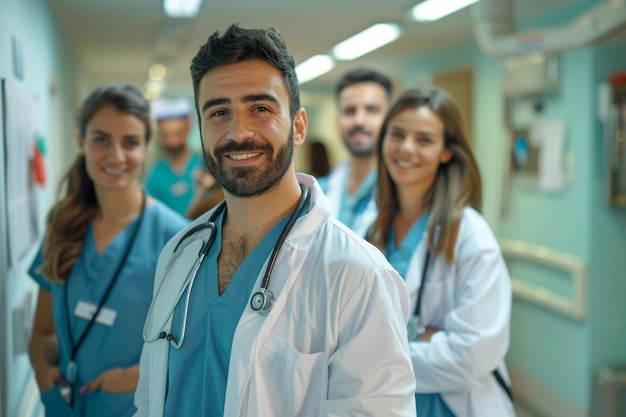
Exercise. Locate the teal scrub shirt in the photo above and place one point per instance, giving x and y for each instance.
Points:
(352, 207)
(174, 189)
(106, 346)
(399, 257)
(198, 371)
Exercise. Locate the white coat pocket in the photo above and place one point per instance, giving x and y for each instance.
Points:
(298, 379)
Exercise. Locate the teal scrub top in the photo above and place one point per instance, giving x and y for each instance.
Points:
(106, 346)
(174, 189)
(400, 256)
(431, 405)
(352, 207)
(198, 371)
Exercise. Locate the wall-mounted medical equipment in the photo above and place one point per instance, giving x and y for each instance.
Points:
(496, 34)
(533, 73)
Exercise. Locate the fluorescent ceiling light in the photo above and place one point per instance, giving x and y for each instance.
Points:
(153, 89)
(157, 72)
(181, 8)
(314, 67)
(364, 42)
(429, 10)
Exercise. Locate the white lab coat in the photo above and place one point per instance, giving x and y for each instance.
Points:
(471, 301)
(337, 180)
(334, 343)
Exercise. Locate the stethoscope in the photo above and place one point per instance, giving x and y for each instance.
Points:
(261, 301)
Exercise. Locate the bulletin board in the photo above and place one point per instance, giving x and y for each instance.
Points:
(20, 123)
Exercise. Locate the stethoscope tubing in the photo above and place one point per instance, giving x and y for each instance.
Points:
(189, 279)
(264, 293)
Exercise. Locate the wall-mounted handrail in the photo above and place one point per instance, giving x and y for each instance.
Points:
(574, 307)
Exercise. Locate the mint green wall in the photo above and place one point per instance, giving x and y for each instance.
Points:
(553, 349)
(608, 237)
(564, 221)
(47, 55)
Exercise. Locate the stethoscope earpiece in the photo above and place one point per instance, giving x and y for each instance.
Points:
(262, 301)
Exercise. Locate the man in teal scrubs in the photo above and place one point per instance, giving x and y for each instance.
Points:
(172, 177)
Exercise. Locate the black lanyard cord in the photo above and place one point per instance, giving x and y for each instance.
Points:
(108, 290)
(420, 292)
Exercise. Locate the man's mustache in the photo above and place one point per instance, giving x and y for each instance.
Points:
(359, 129)
(245, 146)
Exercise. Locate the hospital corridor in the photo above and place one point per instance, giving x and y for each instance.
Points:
(294, 208)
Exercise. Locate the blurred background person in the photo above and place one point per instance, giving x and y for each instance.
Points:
(208, 193)
(319, 163)
(429, 227)
(171, 178)
(96, 266)
(363, 97)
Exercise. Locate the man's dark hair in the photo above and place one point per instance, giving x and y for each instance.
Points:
(363, 75)
(237, 45)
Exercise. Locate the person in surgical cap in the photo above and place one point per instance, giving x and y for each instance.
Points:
(172, 178)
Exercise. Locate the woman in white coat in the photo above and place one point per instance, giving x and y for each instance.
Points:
(430, 230)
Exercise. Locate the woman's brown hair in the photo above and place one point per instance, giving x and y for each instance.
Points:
(457, 183)
(67, 221)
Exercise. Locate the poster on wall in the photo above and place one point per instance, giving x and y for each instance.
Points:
(20, 132)
(537, 155)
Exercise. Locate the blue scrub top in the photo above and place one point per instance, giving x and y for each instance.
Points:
(175, 189)
(400, 256)
(352, 207)
(431, 405)
(198, 371)
(117, 345)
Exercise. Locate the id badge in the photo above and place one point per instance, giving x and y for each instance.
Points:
(86, 310)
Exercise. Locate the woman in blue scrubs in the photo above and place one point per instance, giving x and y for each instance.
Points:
(96, 266)
(430, 229)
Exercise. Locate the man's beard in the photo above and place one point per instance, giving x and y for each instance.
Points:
(174, 151)
(250, 181)
(358, 151)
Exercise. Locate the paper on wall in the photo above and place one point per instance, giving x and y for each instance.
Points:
(550, 136)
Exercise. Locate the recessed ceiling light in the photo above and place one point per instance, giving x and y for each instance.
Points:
(429, 10)
(366, 41)
(182, 8)
(157, 72)
(314, 67)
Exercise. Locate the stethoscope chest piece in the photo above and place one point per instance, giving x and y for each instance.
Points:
(262, 301)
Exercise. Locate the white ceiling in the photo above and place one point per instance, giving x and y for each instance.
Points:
(119, 39)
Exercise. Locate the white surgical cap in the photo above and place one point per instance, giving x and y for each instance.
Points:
(164, 108)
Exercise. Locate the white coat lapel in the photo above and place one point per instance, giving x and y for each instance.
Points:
(336, 184)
